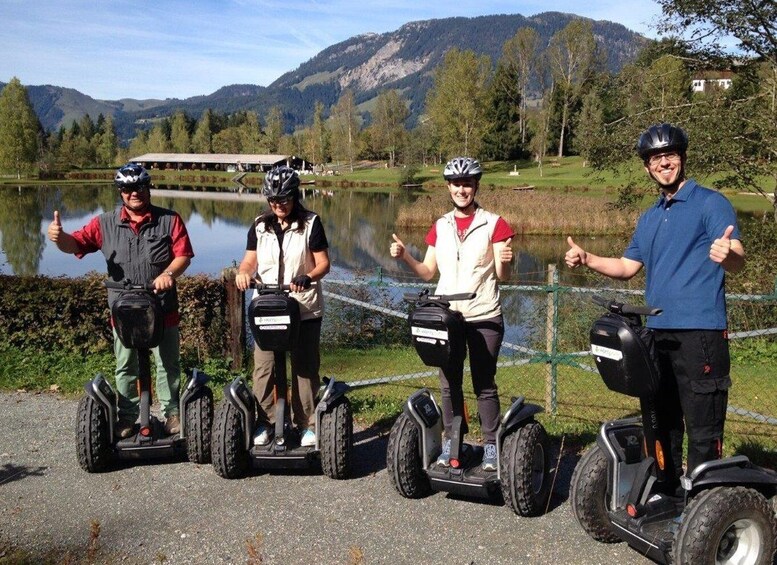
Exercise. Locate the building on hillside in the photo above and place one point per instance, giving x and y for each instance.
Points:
(716, 79)
(232, 162)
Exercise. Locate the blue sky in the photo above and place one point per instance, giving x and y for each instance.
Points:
(112, 49)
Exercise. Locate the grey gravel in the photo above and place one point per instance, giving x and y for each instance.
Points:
(179, 512)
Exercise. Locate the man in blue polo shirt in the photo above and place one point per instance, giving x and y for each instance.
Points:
(687, 242)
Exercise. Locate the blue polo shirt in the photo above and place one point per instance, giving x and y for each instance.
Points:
(672, 241)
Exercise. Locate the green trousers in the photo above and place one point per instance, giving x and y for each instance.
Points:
(168, 375)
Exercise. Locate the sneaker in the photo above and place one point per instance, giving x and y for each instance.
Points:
(489, 457)
(263, 434)
(444, 460)
(123, 430)
(172, 424)
(308, 438)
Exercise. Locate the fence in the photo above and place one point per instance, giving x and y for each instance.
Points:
(545, 353)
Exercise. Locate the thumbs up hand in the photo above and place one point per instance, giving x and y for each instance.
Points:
(506, 252)
(55, 228)
(721, 247)
(397, 247)
(576, 254)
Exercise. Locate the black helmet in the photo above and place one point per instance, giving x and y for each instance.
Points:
(660, 138)
(131, 176)
(462, 168)
(281, 183)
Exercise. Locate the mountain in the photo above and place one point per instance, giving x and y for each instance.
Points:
(404, 59)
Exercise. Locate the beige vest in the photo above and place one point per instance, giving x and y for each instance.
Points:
(469, 265)
(276, 266)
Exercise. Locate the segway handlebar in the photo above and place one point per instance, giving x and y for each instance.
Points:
(620, 308)
(425, 296)
(265, 287)
(128, 285)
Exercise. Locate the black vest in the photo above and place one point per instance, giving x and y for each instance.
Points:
(139, 257)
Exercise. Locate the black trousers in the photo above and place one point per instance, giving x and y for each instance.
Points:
(484, 339)
(692, 396)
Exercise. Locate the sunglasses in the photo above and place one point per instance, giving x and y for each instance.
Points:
(279, 201)
(131, 189)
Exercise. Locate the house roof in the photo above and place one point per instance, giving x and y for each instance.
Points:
(212, 158)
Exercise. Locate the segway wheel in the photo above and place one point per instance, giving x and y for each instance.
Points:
(588, 496)
(525, 470)
(403, 459)
(726, 525)
(198, 426)
(228, 452)
(336, 439)
(93, 441)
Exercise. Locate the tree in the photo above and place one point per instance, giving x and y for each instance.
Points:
(202, 140)
(344, 125)
(158, 140)
(754, 24)
(317, 138)
(590, 124)
(179, 133)
(274, 129)
(572, 57)
(107, 143)
(455, 104)
(251, 134)
(19, 129)
(519, 58)
(388, 124)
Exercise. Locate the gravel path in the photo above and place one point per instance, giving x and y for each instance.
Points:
(179, 512)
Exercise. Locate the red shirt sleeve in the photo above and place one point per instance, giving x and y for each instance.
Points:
(182, 245)
(502, 231)
(431, 237)
(89, 238)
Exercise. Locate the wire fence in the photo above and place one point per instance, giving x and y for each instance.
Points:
(545, 354)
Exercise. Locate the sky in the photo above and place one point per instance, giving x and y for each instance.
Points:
(113, 49)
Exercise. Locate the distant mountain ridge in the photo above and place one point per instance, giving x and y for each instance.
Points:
(404, 59)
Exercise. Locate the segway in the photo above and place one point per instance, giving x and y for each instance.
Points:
(274, 319)
(415, 441)
(722, 515)
(138, 318)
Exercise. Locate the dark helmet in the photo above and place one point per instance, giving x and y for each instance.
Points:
(131, 176)
(281, 183)
(660, 138)
(462, 168)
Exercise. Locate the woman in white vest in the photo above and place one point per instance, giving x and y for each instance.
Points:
(287, 245)
(471, 247)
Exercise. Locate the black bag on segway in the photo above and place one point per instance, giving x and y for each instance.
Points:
(138, 319)
(438, 334)
(274, 321)
(625, 355)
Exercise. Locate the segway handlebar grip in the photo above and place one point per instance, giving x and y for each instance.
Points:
(621, 308)
(260, 286)
(126, 284)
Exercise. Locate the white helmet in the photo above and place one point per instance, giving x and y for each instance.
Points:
(462, 168)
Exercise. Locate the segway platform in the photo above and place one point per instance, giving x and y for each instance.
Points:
(722, 512)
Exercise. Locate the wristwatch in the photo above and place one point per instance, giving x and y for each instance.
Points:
(170, 274)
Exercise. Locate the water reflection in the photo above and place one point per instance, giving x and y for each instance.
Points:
(358, 224)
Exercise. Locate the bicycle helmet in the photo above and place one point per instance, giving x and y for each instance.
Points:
(281, 183)
(660, 138)
(131, 176)
(462, 168)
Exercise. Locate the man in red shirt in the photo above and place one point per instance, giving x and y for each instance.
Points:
(141, 243)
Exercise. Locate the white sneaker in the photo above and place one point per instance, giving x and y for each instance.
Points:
(308, 438)
(263, 435)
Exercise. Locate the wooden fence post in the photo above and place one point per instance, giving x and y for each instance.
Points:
(235, 318)
(551, 318)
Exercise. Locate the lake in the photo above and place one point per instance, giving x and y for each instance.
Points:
(358, 225)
